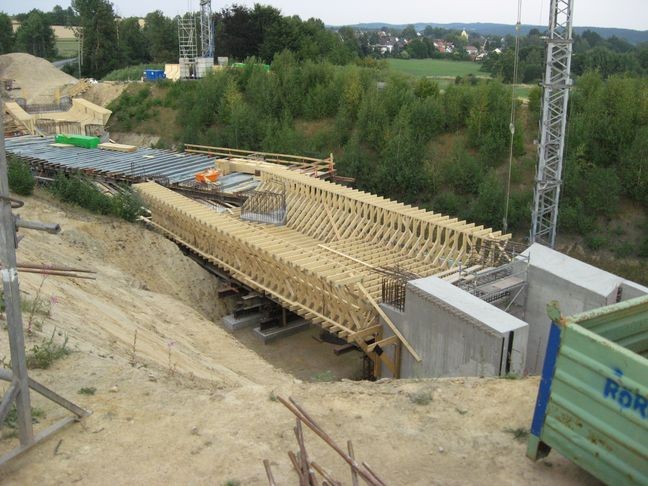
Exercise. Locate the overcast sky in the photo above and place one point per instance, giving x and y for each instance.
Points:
(632, 14)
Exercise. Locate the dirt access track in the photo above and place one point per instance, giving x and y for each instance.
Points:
(189, 403)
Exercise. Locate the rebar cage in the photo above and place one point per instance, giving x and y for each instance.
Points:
(267, 207)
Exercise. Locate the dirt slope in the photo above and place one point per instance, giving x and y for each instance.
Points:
(104, 92)
(191, 405)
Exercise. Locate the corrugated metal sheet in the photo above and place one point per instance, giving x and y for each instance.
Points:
(146, 162)
(593, 400)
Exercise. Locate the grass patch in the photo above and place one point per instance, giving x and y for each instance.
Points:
(130, 73)
(421, 398)
(11, 420)
(520, 434)
(41, 356)
(232, 482)
(441, 68)
(324, 376)
(87, 390)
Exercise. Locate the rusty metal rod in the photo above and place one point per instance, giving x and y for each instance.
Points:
(324, 473)
(51, 266)
(299, 412)
(380, 481)
(55, 273)
(271, 480)
(354, 474)
(293, 458)
(303, 455)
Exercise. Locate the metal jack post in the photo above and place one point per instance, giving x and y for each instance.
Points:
(18, 392)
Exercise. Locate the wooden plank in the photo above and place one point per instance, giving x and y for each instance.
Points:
(389, 322)
(117, 147)
(382, 343)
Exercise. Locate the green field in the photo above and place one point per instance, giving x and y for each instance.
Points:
(436, 68)
(67, 47)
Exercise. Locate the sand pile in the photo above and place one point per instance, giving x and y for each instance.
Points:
(37, 78)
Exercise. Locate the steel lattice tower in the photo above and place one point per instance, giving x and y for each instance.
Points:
(556, 85)
(206, 29)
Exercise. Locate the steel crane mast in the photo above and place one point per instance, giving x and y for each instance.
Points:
(557, 83)
(206, 29)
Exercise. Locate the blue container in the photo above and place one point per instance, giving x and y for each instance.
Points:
(153, 75)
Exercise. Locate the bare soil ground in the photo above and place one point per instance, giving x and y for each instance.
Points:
(102, 93)
(190, 403)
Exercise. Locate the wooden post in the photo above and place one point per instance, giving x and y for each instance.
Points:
(12, 299)
(397, 359)
(377, 371)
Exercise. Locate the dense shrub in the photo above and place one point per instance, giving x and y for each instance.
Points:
(463, 172)
(21, 180)
(76, 189)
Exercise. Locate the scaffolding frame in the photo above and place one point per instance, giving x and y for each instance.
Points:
(557, 83)
(187, 45)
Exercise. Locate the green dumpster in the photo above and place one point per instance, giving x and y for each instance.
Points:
(592, 402)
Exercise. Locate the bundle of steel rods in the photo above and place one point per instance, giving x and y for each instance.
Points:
(56, 271)
(307, 469)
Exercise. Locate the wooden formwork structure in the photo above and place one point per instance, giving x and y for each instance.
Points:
(241, 160)
(328, 261)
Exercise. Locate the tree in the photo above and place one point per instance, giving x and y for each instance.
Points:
(61, 16)
(133, 44)
(634, 167)
(425, 88)
(35, 35)
(419, 49)
(240, 36)
(98, 27)
(402, 173)
(488, 207)
(488, 122)
(6, 34)
(161, 35)
(409, 32)
(373, 119)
